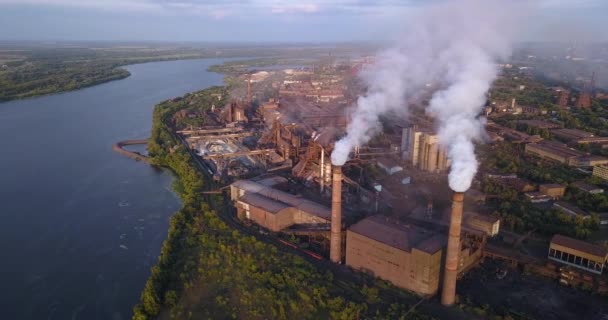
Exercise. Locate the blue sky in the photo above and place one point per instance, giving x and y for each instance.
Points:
(263, 20)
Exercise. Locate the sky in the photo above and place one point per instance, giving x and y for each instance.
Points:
(265, 20)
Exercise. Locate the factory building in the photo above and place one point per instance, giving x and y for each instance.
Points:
(578, 254)
(421, 148)
(274, 209)
(406, 255)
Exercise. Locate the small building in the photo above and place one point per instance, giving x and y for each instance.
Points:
(537, 197)
(601, 172)
(488, 224)
(390, 166)
(577, 253)
(587, 188)
(553, 190)
(571, 209)
(406, 255)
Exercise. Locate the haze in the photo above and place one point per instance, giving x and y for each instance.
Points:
(262, 20)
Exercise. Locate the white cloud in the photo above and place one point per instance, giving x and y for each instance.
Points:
(295, 8)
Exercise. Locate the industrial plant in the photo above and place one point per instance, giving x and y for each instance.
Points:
(388, 210)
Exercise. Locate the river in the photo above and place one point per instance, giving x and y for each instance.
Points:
(80, 225)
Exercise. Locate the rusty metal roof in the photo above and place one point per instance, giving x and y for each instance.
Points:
(579, 245)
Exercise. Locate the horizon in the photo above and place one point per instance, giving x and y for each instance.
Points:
(257, 21)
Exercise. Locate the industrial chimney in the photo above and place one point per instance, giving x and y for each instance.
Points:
(448, 295)
(335, 249)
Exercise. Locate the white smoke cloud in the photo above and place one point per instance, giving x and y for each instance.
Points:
(456, 46)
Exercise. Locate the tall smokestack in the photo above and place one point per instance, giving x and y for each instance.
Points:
(448, 295)
(335, 249)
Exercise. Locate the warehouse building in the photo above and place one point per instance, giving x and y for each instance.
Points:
(274, 209)
(559, 152)
(554, 151)
(577, 253)
(571, 134)
(406, 255)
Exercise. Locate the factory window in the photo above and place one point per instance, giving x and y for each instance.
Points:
(578, 260)
(571, 258)
(585, 262)
(598, 267)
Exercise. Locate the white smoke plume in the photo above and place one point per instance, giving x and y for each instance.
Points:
(455, 46)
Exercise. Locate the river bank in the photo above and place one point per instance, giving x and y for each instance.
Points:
(98, 221)
(118, 148)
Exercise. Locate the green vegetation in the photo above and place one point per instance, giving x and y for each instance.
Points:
(520, 215)
(534, 94)
(208, 271)
(37, 71)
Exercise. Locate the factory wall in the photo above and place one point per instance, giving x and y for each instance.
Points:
(416, 271)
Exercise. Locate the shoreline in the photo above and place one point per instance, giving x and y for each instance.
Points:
(118, 148)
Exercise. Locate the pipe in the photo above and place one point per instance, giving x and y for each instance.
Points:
(322, 170)
(448, 295)
(335, 248)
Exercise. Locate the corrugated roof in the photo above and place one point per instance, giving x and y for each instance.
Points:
(579, 245)
(403, 237)
(262, 202)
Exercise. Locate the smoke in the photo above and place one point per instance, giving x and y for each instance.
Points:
(456, 47)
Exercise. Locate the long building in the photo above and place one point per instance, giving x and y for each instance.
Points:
(274, 209)
(561, 153)
(578, 254)
(406, 255)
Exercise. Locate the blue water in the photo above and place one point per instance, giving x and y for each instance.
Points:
(81, 225)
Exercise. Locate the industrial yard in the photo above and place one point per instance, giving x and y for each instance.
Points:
(388, 211)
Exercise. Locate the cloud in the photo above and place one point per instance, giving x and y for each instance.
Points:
(295, 8)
